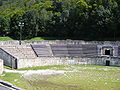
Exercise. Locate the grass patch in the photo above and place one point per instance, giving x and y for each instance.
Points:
(98, 66)
(63, 67)
(34, 39)
(90, 80)
(15, 79)
(6, 67)
(5, 39)
(87, 77)
(45, 38)
(44, 67)
(60, 38)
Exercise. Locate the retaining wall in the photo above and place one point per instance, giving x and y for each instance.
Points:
(59, 42)
(44, 61)
(1, 66)
(13, 62)
(8, 59)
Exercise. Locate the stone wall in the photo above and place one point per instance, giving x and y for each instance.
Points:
(59, 42)
(8, 59)
(1, 66)
(13, 62)
(44, 61)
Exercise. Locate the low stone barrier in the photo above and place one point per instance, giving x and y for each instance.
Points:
(58, 42)
(1, 66)
(44, 61)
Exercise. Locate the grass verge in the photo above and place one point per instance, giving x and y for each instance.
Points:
(45, 38)
(33, 39)
(15, 79)
(63, 67)
(5, 39)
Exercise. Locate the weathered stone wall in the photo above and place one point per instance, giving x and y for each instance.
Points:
(43, 61)
(1, 66)
(114, 51)
(8, 59)
(13, 62)
(59, 42)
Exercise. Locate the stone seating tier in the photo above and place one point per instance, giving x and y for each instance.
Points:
(19, 51)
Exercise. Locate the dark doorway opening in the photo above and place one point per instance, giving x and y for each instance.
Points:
(107, 52)
(107, 63)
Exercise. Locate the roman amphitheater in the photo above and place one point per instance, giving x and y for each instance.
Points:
(59, 52)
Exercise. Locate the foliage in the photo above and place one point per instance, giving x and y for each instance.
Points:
(93, 19)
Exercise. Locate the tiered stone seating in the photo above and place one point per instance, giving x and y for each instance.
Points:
(60, 50)
(41, 50)
(55, 50)
(19, 51)
(79, 50)
(89, 50)
(74, 49)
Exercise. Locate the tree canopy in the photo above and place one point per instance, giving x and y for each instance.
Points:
(60, 18)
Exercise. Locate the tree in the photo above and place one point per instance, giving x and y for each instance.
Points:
(4, 26)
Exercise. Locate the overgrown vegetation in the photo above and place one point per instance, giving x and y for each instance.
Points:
(81, 19)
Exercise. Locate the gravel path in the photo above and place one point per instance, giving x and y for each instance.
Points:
(52, 72)
(40, 72)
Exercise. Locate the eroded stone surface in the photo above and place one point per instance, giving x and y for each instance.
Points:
(1, 66)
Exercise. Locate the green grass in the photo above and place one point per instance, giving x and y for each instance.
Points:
(61, 67)
(60, 38)
(15, 79)
(43, 67)
(33, 39)
(90, 80)
(5, 39)
(45, 38)
(6, 67)
(88, 77)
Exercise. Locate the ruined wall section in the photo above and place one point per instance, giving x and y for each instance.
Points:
(8, 59)
(46, 42)
(44, 61)
(1, 66)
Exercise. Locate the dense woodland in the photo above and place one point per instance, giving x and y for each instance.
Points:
(81, 19)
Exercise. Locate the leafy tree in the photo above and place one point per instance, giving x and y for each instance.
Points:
(61, 18)
(3, 26)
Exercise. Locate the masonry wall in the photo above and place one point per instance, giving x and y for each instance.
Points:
(1, 66)
(44, 61)
(8, 59)
(13, 62)
(59, 42)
